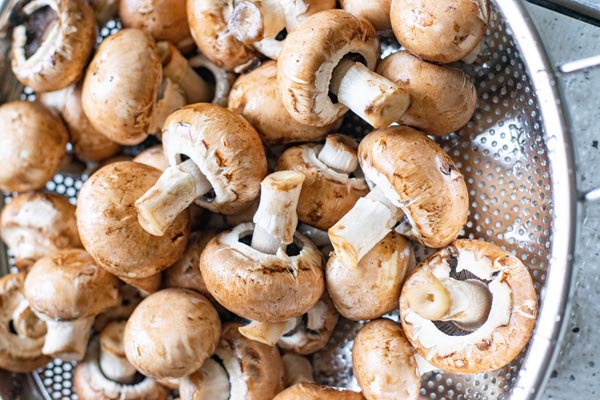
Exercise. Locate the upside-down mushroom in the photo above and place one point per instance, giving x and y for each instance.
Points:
(312, 391)
(377, 12)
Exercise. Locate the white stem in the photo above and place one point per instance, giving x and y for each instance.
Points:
(374, 98)
(174, 191)
(470, 302)
(270, 48)
(210, 382)
(26, 323)
(297, 369)
(67, 340)
(268, 332)
(255, 20)
(338, 155)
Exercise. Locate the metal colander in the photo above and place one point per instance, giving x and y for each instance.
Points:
(517, 160)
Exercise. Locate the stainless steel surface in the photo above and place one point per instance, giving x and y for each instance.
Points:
(585, 10)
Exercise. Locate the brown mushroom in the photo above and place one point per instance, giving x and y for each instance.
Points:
(104, 10)
(418, 191)
(28, 127)
(223, 79)
(153, 157)
(52, 42)
(108, 226)
(67, 290)
(146, 285)
(316, 60)
(377, 12)
(491, 312)
(298, 369)
(130, 298)
(311, 391)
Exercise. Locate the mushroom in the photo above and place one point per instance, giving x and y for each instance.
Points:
(316, 60)
(104, 10)
(331, 187)
(124, 94)
(153, 157)
(130, 298)
(384, 364)
(372, 288)
(240, 369)
(256, 96)
(441, 32)
(172, 333)
(318, 237)
(146, 285)
(67, 290)
(437, 112)
(418, 191)
(225, 164)
(34, 225)
(52, 42)
(108, 226)
(469, 308)
(377, 12)
(274, 274)
(112, 360)
(21, 346)
(311, 391)
(28, 127)
(298, 369)
(223, 79)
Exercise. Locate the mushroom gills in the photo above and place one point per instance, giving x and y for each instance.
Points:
(67, 339)
(252, 20)
(39, 21)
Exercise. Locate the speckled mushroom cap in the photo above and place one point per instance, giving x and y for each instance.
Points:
(372, 288)
(384, 364)
(420, 178)
(225, 147)
(510, 321)
(51, 46)
(208, 24)
(309, 56)
(21, 351)
(108, 225)
(36, 224)
(377, 12)
(255, 95)
(26, 128)
(442, 99)
(312, 391)
(171, 333)
(154, 157)
(260, 286)
(440, 31)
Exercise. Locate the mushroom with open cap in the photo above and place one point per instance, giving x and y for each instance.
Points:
(440, 31)
(331, 187)
(484, 293)
(67, 290)
(172, 333)
(26, 128)
(34, 225)
(52, 42)
(298, 369)
(377, 12)
(418, 191)
(316, 61)
(225, 164)
(21, 346)
(312, 391)
(384, 364)
(240, 369)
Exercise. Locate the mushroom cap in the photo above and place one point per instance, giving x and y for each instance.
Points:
(384, 364)
(377, 12)
(326, 195)
(309, 56)
(109, 228)
(262, 287)
(437, 112)
(208, 24)
(61, 52)
(154, 157)
(372, 288)
(417, 176)
(68, 285)
(312, 391)
(171, 333)
(255, 95)
(440, 31)
(121, 86)
(18, 353)
(509, 324)
(26, 128)
(36, 224)
(225, 147)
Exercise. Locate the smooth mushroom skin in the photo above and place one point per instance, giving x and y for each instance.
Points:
(52, 44)
(108, 226)
(441, 32)
(171, 333)
(19, 351)
(372, 288)
(508, 326)
(437, 112)
(28, 127)
(377, 12)
(255, 96)
(384, 364)
(153, 157)
(312, 391)
(147, 285)
(34, 225)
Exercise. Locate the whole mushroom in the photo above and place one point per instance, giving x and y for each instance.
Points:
(377, 12)
(312, 391)
(153, 157)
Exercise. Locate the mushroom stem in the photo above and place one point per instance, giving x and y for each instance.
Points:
(26, 323)
(372, 97)
(255, 20)
(210, 382)
(67, 340)
(276, 218)
(268, 332)
(338, 155)
(174, 191)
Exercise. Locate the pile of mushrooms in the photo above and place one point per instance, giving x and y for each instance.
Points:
(218, 261)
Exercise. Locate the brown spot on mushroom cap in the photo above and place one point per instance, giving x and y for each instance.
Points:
(154, 157)
(26, 128)
(311, 391)
(109, 228)
(377, 12)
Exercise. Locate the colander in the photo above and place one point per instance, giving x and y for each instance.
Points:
(517, 158)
